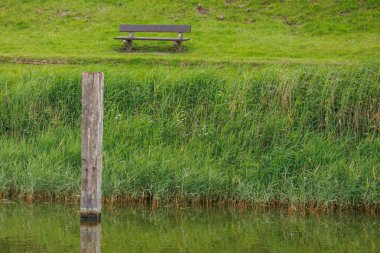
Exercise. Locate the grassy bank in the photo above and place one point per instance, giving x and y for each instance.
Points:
(251, 31)
(267, 135)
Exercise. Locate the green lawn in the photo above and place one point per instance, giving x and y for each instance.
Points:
(256, 31)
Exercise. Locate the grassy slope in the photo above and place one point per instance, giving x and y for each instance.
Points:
(299, 134)
(299, 31)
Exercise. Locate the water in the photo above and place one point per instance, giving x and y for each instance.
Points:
(56, 228)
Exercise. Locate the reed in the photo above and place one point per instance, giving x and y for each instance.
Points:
(299, 135)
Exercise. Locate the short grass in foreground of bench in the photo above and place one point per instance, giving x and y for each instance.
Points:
(128, 40)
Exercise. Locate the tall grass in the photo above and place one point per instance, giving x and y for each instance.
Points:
(285, 135)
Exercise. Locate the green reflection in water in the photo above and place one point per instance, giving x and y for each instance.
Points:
(56, 228)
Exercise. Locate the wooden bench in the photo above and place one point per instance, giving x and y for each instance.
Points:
(128, 40)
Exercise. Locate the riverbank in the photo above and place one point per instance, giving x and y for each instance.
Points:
(181, 203)
(272, 135)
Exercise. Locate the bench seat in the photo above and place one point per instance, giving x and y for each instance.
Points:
(150, 38)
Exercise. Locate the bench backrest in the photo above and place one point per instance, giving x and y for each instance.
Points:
(155, 28)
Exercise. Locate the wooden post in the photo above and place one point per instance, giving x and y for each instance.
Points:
(92, 139)
(90, 238)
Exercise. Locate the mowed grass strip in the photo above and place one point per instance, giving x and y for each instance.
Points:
(238, 31)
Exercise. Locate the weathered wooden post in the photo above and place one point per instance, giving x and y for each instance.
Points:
(92, 139)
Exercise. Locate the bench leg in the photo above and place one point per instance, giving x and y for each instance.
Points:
(178, 45)
(128, 45)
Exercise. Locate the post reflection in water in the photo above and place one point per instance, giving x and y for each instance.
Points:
(44, 227)
(90, 237)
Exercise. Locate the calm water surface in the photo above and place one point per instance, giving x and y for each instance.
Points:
(56, 228)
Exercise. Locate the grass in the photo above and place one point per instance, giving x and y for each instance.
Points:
(279, 102)
(270, 134)
(252, 31)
